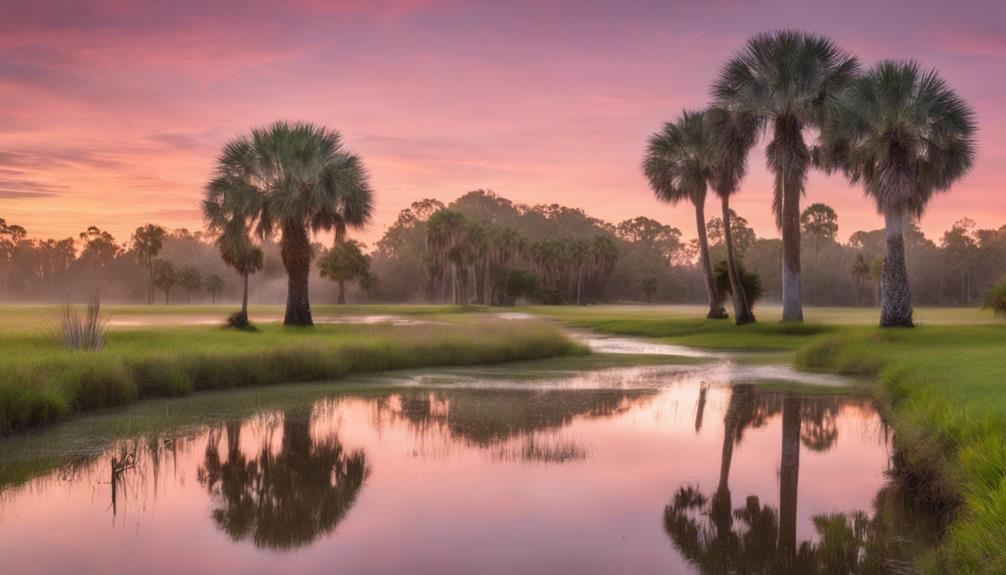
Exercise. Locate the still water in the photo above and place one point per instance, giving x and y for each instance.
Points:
(654, 469)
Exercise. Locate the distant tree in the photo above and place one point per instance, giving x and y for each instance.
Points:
(785, 80)
(165, 278)
(860, 272)
(147, 243)
(515, 284)
(876, 273)
(346, 262)
(678, 167)
(741, 232)
(648, 288)
(448, 234)
(191, 280)
(905, 135)
(98, 251)
(214, 286)
(819, 222)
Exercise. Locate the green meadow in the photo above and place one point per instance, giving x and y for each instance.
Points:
(151, 356)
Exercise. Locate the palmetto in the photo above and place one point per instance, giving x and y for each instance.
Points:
(904, 135)
(294, 178)
(786, 81)
(678, 165)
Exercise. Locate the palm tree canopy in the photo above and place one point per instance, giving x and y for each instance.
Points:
(677, 163)
(785, 74)
(295, 174)
(903, 133)
(731, 136)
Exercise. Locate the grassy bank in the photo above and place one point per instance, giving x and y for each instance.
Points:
(40, 382)
(944, 389)
(942, 386)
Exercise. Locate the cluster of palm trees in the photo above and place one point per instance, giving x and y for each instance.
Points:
(471, 259)
(290, 178)
(897, 129)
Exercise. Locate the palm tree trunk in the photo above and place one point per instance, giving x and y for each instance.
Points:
(700, 408)
(151, 290)
(742, 306)
(716, 310)
(244, 298)
(895, 295)
(789, 474)
(295, 249)
(342, 292)
(789, 178)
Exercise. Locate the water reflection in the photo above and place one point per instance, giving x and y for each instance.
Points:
(281, 500)
(632, 470)
(753, 537)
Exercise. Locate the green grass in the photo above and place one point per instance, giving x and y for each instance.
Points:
(40, 382)
(942, 387)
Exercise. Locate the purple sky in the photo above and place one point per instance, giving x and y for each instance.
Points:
(111, 112)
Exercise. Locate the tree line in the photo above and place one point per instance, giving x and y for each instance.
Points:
(652, 262)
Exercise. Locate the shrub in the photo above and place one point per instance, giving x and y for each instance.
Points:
(995, 299)
(82, 332)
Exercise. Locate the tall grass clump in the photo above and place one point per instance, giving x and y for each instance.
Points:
(85, 331)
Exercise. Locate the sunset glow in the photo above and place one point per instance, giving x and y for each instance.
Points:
(112, 111)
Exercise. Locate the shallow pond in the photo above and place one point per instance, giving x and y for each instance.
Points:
(632, 469)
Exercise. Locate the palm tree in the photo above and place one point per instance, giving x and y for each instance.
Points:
(296, 179)
(905, 135)
(246, 258)
(147, 242)
(819, 222)
(214, 286)
(165, 278)
(191, 280)
(860, 272)
(444, 235)
(678, 166)
(732, 136)
(345, 262)
(785, 81)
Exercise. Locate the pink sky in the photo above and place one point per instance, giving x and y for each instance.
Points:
(111, 112)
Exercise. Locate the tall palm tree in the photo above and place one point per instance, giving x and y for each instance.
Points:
(296, 178)
(732, 137)
(678, 166)
(905, 135)
(786, 80)
(246, 258)
(147, 243)
(229, 210)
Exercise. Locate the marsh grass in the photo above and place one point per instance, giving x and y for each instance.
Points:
(41, 383)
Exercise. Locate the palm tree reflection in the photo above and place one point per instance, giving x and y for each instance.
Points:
(283, 500)
(755, 538)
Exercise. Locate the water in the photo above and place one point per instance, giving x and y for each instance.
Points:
(647, 469)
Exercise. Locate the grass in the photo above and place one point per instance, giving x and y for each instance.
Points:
(942, 386)
(42, 382)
